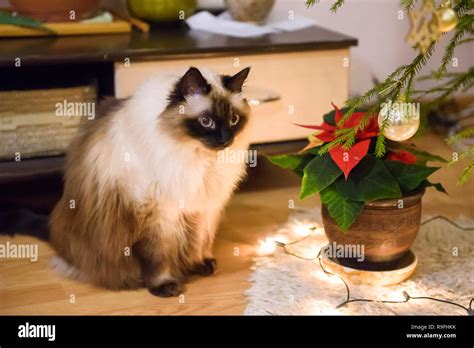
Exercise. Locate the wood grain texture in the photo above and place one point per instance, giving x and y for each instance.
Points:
(67, 29)
(33, 288)
(164, 43)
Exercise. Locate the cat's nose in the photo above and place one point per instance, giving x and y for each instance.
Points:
(225, 142)
(226, 138)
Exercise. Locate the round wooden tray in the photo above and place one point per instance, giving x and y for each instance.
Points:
(395, 274)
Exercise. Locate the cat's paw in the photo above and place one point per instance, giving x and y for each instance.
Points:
(207, 267)
(168, 289)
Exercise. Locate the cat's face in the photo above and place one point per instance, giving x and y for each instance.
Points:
(212, 113)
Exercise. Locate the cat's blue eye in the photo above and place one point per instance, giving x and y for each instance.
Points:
(207, 122)
(234, 120)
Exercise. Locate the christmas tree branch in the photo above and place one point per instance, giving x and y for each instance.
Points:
(470, 39)
(469, 169)
(464, 26)
(310, 3)
(334, 7)
(390, 89)
(407, 4)
(466, 173)
(454, 82)
(457, 82)
(461, 82)
(399, 84)
(464, 134)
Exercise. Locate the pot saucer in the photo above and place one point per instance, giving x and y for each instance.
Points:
(363, 275)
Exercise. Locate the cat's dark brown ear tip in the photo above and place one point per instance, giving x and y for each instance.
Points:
(192, 69)
(194, 83)
(235, 83)
(244, 72)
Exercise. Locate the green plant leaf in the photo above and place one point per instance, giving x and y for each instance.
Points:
(21, 21)
(370, 180)
(409, 176)
(343, 211)
(299, 170)
(330, 117)
(313, 151)
(437, 186)
(296, 163)
(286, 161)
(319, 174)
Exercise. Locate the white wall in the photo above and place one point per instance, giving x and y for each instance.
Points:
(381, 35)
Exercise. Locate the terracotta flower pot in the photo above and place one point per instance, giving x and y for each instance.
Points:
(385, 228)
(55, 10)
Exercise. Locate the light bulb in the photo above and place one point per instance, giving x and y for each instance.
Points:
(266, 246)
(302, 230)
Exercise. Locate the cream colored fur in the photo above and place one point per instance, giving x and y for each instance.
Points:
(171, 177)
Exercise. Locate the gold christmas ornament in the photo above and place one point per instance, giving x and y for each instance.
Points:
(401, 118)
(446, 16)
(424, 26)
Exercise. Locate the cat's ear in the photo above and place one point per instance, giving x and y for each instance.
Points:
(235, 83)
(193, 82)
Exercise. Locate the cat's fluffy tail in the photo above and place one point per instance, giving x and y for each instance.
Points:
(23, 221)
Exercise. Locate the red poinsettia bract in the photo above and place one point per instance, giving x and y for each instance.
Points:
(346, 160)
(402, 156)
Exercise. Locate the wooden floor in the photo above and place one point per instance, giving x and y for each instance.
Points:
(33, 288)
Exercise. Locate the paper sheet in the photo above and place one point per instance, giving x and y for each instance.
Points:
(225, 25)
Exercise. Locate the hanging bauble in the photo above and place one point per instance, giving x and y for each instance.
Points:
(399, 120)
(446, 16)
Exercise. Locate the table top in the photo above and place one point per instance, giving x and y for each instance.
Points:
(162, 42)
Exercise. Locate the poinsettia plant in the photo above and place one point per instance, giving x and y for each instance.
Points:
(347, 178)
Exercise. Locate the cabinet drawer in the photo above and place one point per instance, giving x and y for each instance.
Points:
(307, 83)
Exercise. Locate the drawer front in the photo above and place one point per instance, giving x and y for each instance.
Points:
(307, 83)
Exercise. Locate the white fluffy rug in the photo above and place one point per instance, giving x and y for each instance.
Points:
(283, 284)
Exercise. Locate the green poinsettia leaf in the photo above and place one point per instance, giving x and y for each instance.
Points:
(370, 180)
(330, 117)
(319, 174)
(286, 161)
(409, 176)
(296, 163)
(313, 150)
(304, 162)
(343, 211)
(437, 186)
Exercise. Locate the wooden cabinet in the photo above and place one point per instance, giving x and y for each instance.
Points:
(306, 82)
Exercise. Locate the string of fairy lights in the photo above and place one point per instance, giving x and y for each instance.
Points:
(407, 297)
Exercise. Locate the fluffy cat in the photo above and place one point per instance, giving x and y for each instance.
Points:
(143, 190)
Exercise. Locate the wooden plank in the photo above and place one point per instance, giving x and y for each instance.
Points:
(163, 43)
(68, 29)
(28, 169)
